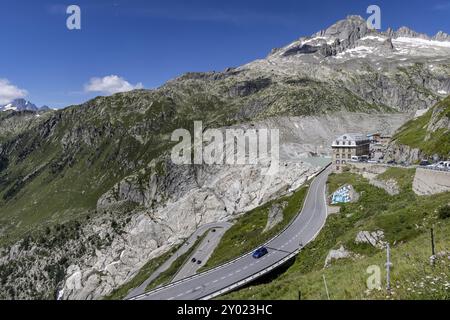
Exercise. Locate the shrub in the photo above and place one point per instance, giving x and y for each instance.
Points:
(444, 212)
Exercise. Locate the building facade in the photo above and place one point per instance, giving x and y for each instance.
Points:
(347, 147)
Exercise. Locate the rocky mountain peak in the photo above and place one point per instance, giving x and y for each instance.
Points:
(23, 105)
(19, 105)
(409, 33)
(441, 36)
(346, 29)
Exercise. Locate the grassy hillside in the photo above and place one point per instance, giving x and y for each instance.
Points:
(406, 220)
(417, 134)
(56, 169)
(248, 232)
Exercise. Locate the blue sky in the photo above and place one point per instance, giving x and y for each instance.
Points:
(147, 42)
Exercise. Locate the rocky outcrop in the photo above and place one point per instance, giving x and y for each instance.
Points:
(441, 36)
(375, 239)
(403, 153)
(111, 154)
(339, 254)
(247, 88)
(426, 136)
(275, 216)
(390, 185)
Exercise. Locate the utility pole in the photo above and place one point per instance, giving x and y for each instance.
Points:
(433, 248)
(326, 287)
(388, 268)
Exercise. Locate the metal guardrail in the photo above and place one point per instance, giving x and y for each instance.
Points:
(253, 277)
(281, 262)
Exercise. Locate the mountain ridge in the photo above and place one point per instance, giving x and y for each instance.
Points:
(22, 105)
(92, 186)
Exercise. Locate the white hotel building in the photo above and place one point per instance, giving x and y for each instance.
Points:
(347, 146)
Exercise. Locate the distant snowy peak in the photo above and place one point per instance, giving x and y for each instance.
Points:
(405, 32)
(442, 36)
(352, 35)
(22, 105)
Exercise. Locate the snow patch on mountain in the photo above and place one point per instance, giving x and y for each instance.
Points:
(22, 105)
(422, 43)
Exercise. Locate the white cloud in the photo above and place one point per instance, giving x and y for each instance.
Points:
(9, 92)
(110, 85)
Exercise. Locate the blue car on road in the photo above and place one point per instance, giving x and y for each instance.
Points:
(261, 252)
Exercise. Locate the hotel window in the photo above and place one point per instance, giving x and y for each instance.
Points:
(338, 162)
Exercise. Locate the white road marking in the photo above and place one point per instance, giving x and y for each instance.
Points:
(300, 223)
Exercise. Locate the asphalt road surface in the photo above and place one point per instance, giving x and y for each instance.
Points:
(303, 230)
(185, 248)
(201, 254)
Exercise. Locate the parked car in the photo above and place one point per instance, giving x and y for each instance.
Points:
(194, 260)
(261, 252)
(425, 163)
(364, 159)
(443, 165)
(199, 262)
(391, 162)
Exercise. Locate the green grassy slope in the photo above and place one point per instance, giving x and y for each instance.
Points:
(143, 274)
(247, 233)
(415, 133)
(406, 220)
(57, 169)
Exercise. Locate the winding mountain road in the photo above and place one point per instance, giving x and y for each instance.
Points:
(245, 269)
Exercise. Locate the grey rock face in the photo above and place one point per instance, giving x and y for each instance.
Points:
(390, 186)
(407, 32)
(382, 68)
(275, 216)
(342, 79)
(350, 29)
(375, 239)
(247, 88)
(441, 36)
(402, 153)
(339, 254)
(22, 105)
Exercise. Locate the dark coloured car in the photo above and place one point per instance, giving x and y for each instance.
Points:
(194, 260)
(261, 252)
(199, 262)
(425, 163)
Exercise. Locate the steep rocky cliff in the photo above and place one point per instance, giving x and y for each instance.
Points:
(426, 137)
(88, 194)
